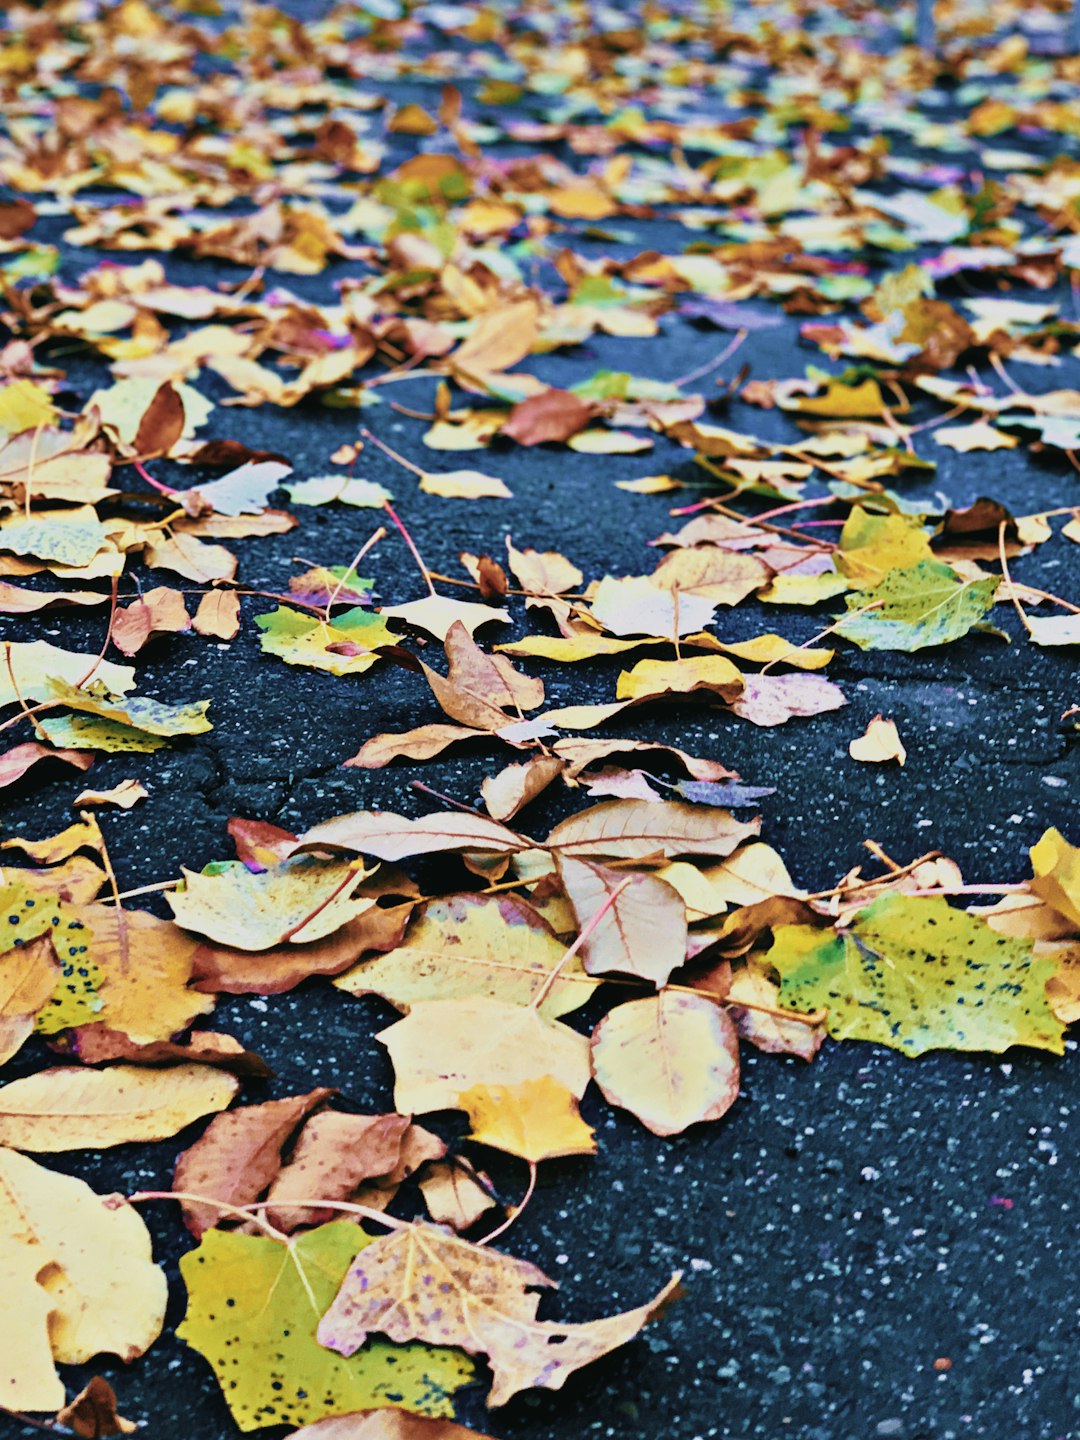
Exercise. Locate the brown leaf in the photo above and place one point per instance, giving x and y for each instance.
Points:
(259, 845)
(456, 1194)
(238, 972)
(419, 744)
(333, 1155)
(93, 1414)
(387, 836)
(218, 615)
(723, 576)
(97, 1044)
(546, 573)
(237, 1156)
(157, 612)
(580, 754)
(637, 829)
(552, 416)
(162, 423)
(16, 600)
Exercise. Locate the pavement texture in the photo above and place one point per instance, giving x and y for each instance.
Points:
(850, 1222)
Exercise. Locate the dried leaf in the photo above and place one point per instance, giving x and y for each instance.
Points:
(419, 1283)
(642, 932)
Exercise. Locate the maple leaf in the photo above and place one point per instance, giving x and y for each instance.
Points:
(672, 1059)
(420, 1283)
(345, 645)
(253, 1307)
(917, 975)
(62, 1251)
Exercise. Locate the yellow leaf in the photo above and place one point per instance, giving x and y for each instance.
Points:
(880, 743)
(1057, 874)
(24, 406)
(536, 1119)
(445, 1047)
(78, 1280)
(672, 1060)
(464, 485)
(71, 1108)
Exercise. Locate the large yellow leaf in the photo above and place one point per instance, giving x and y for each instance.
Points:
(77, 1280)
(444, 1047)
(71, 1108)
(418, 1283)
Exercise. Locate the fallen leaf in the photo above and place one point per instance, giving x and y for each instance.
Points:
(444, 1047)
(466, 946)
(436, 615)
(769, 699)
(550, 417)
(264, 1342)
(420, 1283)
(385, 1425)
(925, 605)
(237, 1156)
(14, 763)
(69, 1108)
(770, 1033)
(514, 786)
(423, 743)
(124, 795)
(464, 485)
(1056, 881)
(917, 975)
(642, 932)
(672, 1060)
(387, 836)
(638, 829)
(454, 1195)
(93, 1412)
(535, 1120)
(78, 1281)
(302, 899)
(218, 615)
(640, 606)
(880, 743)
(332, 1157)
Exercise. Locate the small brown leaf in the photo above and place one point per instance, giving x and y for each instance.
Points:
(93, 1414)
(218, 615)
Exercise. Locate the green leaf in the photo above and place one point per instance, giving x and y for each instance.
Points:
(915, 974)
(343, 645)
(926, 604)
(254, 1304)
(153, 717)
(26, 915)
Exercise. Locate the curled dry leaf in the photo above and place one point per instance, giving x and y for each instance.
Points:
(418, 1283)
(880, 743)
(332, 1157)
(69, 1108)
(672, 1060)
(14, 763)
(93, 1413)
(218, 615)
(514, 786)
(124, 795)
(423, 743)
(456, 1195)
(78, 1281)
